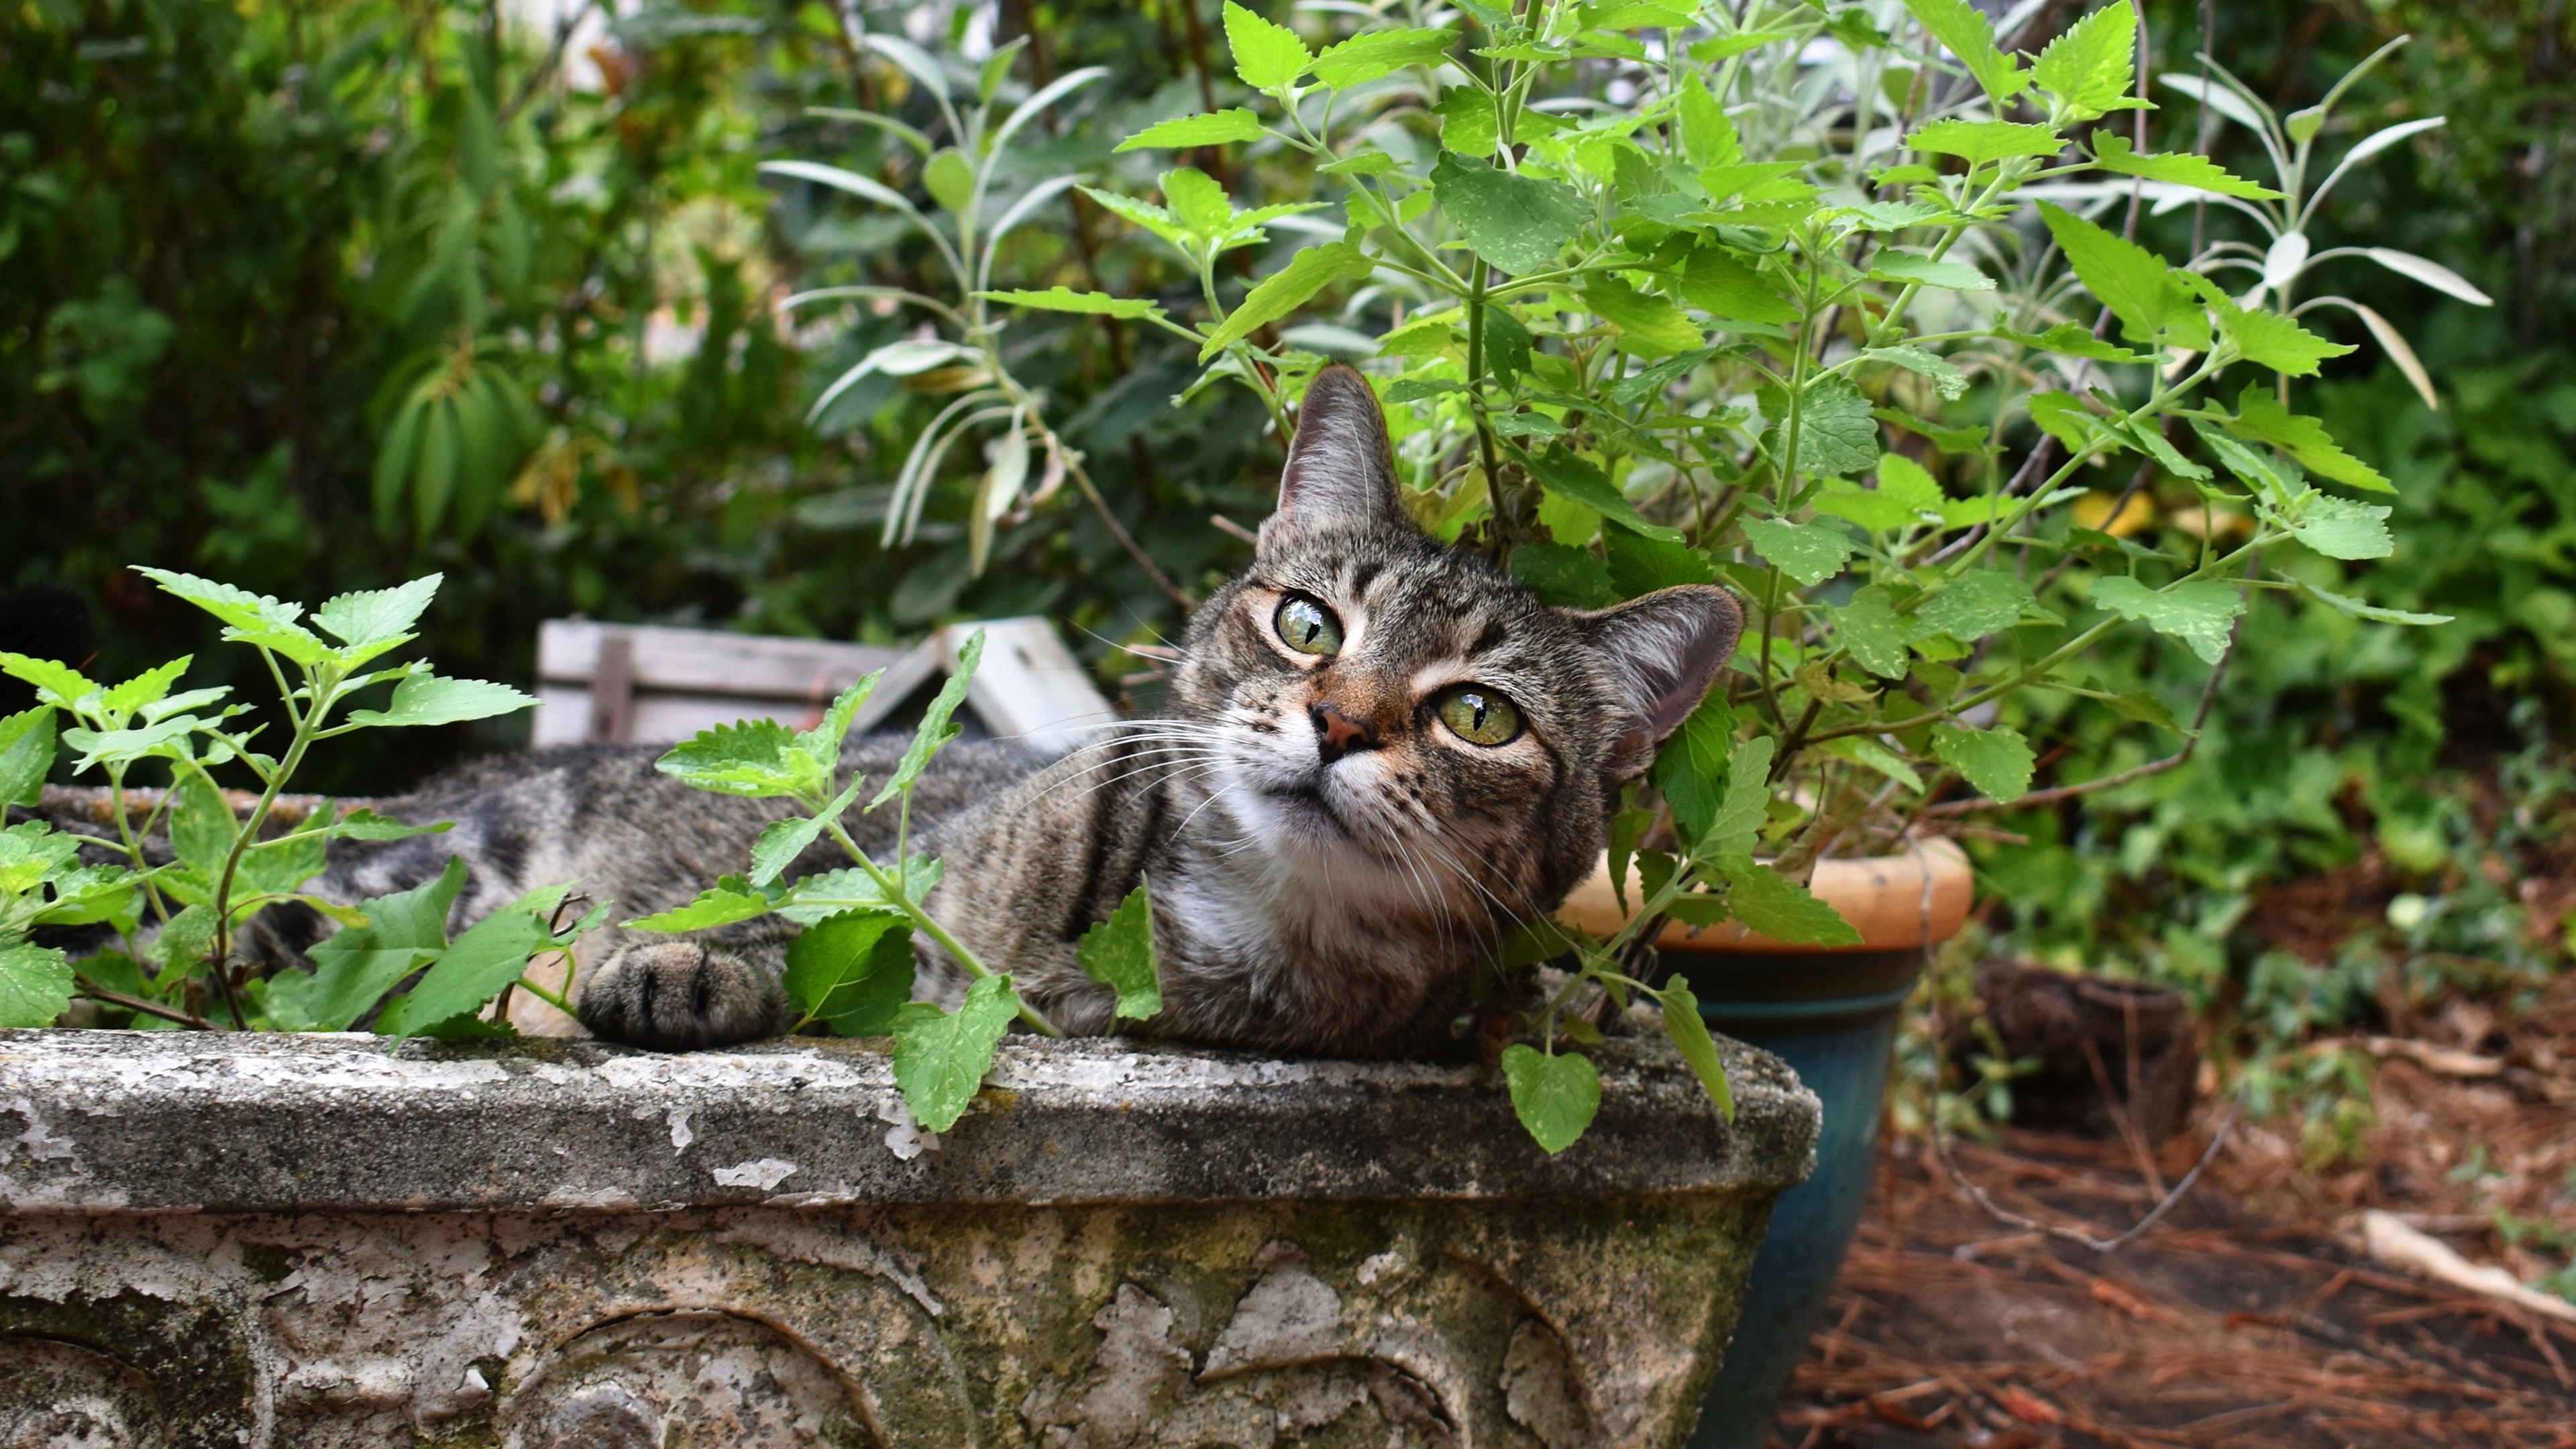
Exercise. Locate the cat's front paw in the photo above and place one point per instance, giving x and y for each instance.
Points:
(673, 996)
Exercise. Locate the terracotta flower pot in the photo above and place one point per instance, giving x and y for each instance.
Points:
(1831, 1013)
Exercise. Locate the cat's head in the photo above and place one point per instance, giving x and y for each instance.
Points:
(1398, 718)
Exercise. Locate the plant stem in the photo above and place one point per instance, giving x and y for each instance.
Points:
(892, 889)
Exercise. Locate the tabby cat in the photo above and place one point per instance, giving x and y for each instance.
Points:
(1378, 752)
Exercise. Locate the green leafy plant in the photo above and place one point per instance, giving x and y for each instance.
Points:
(227, 866)
(851, 968)
(1755, 318)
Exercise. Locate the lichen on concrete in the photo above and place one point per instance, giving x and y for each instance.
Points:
(253, 1242)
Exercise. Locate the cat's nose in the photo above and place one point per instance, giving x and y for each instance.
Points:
(1337, 734)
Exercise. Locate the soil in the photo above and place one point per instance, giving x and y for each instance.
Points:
(2249, 1315)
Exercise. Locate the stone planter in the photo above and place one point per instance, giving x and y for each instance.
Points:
(1831, 1013)
(234, 1240)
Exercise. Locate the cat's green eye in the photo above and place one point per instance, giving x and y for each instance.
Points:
(1478, 715)
(1307, 626)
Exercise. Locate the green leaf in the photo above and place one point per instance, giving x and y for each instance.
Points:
(815, 897)
(781, 841)
(1837, 436)
(279, 867)
(377, 620)
(31, 851)
(1059, 299)
(183, 942)
(1507, 345)
(1708, 137)
(423, 698)
(1691, 768)
(2268, 339)
(1640, 565)
(755, 757)
(820, 747)
(2341, 528)
(2180, 168)
(59, 685)
(1518, 223)
(2070, 340)
(1808, 552)
(358, 964)
(1142, 213)
(1571, 475)
(853, 970)
(1978, 142)
(1947, 380)
(2261, 418)
(1748, 800)
(202, 826)
(151, 687)
(1199, 202)
(940, 1057)
(2199, 614)
(950, 179)
(2134, 283)
(254, 619)
(1649, 326)
(2273, 481)
(1284, 291)
(1555, 1097)
(1872, 634)
(1977, 603)
(491, 954)
(935, 729)
(1895, 266)
(2089, 65)
(1215, 128)
(26, 755)
(35, 985)
(1903, 479)
(1966, 33)
(1780, 908)
(1375, 53)
(732, 899)
(1119, 954)
(1997, 761)
(1689, 1033)
(1266, 57)
(1568, 578)
(2356, 608)
(365, 824)
(1726, 288)
(1467, 122)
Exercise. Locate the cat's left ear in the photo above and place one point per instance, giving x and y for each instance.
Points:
(1664, 650)
(1340, 473)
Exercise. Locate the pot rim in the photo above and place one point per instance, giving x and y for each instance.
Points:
(1894, 901)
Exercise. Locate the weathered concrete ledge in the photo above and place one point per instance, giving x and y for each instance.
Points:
(229, 1240)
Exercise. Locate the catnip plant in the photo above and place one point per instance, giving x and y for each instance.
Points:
(176, 922)
(1840, 309)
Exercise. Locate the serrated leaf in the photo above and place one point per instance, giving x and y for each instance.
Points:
(1837, 436)
(488, 955)
(1565, 577)
(1978, 603)
(731, 899)
(1996, 761)
(814, 897)
(1119, 954)
(1266, 56)
(56, 684)
(29, 852)
(250, 618)
(357, 965)
(1708, 137)
(149, 688)
(1215, 128)
(2143, 292)
(2200, 613)
(365, 824)
(1748, 800)
(1142, 213)
(1892, 266)
(1726, 288)
(1571, 475)
(1648, 325)
(2089, 65)
(423, 698)
(1947, 380)
(753, 757)
(2341, 528)
(1640, 565)
(1780, 908)
(1966, 33)
(2359, 609)
(1555, 1097)
(781, 841)
(820, 747)
(1689, 1033)
(2112, 152)
(2260, 417)
(1371, 54)
(381, 618)
(940, 1057)
(26, 755)
(1691, 768)
(1060, 299)
(935, 729)
(1978, 142)
(202, 825)
(1871, 633)
(854, 970)
(35, 985)
(1518, 223)
(1284, 291)
(2069, 340)
(1808, 552)
(2268, 339)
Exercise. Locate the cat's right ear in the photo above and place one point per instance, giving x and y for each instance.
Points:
(1663, 651)
(1340, 473)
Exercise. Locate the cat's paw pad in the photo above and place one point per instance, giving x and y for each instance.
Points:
(677, 995)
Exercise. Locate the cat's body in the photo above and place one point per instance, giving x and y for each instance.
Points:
(1378, 753)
